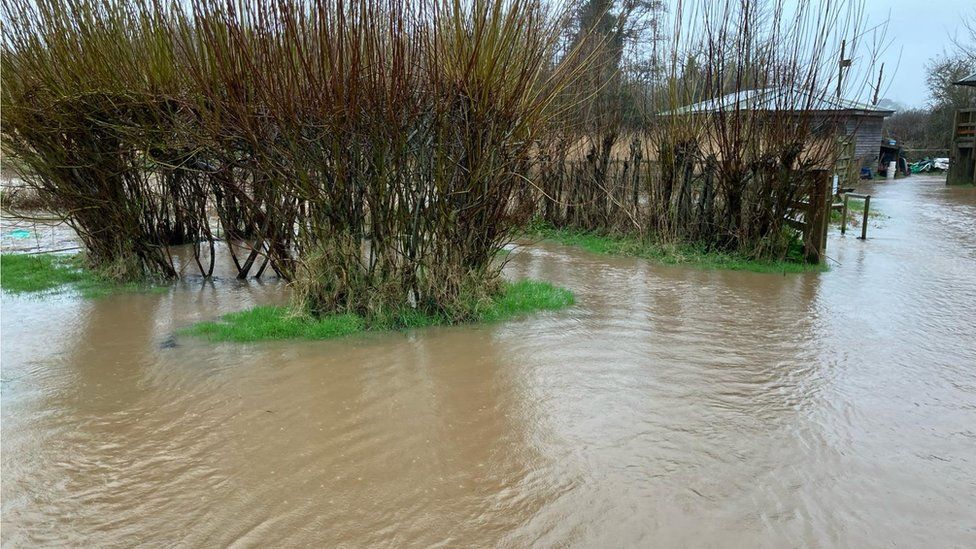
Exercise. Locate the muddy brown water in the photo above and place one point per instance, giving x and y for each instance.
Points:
(670, 407)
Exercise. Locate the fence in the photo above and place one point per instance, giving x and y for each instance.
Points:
(814, 216)
(686, 200)
(864, 218)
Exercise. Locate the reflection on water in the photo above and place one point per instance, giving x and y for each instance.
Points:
(669, 407)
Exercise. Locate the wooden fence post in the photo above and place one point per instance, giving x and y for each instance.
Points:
(817, 217)
(864, 218)
(843, 216)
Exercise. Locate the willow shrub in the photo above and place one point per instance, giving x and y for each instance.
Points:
(690, 168)
(81, 83)
(368, 151)
(384, 140)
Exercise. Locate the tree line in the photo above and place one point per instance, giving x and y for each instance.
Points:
(927, 130)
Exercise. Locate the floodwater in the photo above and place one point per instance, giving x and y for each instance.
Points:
(670, 407)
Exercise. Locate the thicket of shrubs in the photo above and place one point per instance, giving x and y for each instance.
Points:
(724, 138)
(379, 153)
(368, 151)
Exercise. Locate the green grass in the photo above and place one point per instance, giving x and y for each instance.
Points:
(669, 254)
(855, 211)
(275, 323)
(524, 297)
(36, 273)
(22, 273)
(857, 205)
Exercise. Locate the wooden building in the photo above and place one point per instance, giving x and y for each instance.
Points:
(962, 158)
(856, 125)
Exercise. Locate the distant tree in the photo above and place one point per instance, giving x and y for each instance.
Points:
(608, 30)
(945, 98)
(931, 127)
(912, 129)
(965, 42)
(942, 74)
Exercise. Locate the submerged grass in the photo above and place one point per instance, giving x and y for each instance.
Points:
(667, 254)
(270, 323)
(36, 273)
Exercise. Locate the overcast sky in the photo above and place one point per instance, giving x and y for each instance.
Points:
(919, 30)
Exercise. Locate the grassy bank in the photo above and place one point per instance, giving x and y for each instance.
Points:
(668, 254)
(269, 323)
(36, 273)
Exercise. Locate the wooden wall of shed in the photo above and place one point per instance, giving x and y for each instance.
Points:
(866, 131)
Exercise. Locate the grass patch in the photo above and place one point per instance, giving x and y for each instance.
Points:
(275, 323)
(35, 273)
(524, 297)
(670, 254)
(23, 273)
(855, 212)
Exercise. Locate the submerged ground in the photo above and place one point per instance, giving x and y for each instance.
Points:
(669, 406)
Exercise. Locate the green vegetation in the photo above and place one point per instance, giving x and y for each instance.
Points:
(22, 273)
(403, 90)
(275, 323)
(268, 322)
(33, 273)
(672, 254)
(855, 211)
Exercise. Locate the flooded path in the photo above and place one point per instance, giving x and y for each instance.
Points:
(669, 407)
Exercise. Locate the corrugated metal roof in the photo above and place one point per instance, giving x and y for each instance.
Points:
(780, 99)
(968, 81)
